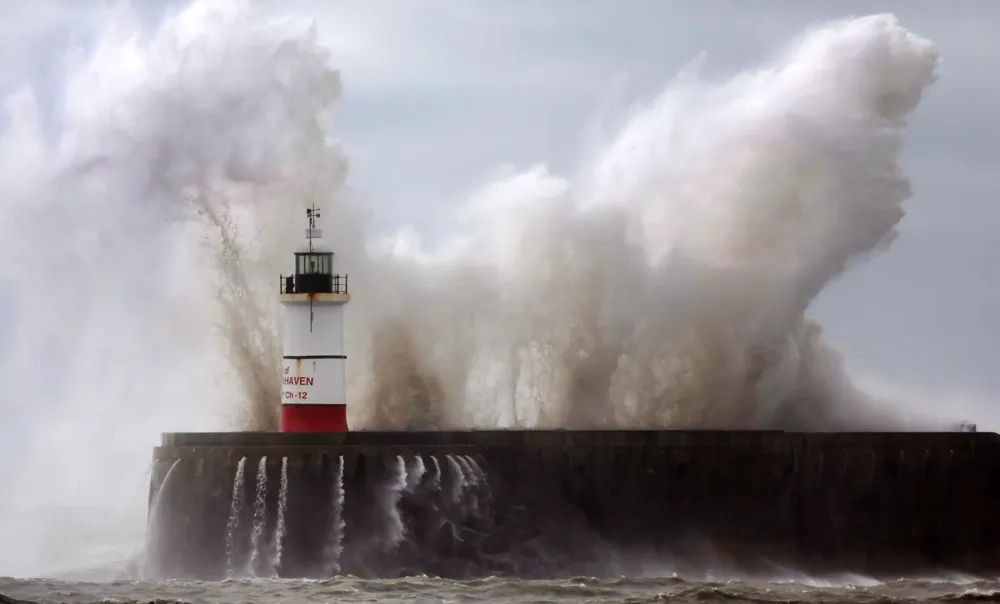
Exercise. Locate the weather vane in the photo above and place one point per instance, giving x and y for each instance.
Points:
(312, 213)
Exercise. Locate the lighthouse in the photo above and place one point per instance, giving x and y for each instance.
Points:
(313, 393)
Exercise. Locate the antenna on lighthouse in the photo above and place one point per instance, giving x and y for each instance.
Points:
(312, 213)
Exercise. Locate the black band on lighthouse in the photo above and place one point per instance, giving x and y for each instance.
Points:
(314, 356)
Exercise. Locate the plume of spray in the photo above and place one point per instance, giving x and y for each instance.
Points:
(170, 189)
(667, 285)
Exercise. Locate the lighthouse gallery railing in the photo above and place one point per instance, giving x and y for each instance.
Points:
(313, 283)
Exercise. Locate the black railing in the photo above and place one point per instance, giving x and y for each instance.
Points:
(313, 283)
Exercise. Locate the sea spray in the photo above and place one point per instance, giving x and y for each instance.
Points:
(394, 489)
(278, 546)
(338, 523)
(476, 469)
(471, 479)
(458, 481)
(472, 476)
(235, 511)
(436, 479)
(484, 498)
(151, 561)
(711, 221)
(415, 474)
(259, 519)
(665, 286)
(154, 124)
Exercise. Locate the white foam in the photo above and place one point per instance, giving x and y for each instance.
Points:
(235, 511)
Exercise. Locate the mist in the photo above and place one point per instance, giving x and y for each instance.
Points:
(665, 284)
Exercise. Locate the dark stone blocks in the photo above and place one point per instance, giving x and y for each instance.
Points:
(561, 503)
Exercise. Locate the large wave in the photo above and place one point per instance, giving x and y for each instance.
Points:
(668, 284)
(144, 226)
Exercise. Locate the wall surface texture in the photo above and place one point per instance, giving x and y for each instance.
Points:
(570, 503)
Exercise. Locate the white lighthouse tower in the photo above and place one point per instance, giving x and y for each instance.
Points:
(313, 393)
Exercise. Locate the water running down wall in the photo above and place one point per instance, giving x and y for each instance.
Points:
(543, 504)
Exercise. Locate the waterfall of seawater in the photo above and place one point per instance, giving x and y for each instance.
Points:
(279, 531)
(476, 470)
(470, 471)
(436, 481)
(259, 517)
(482, 485)
(150, 560)
(459, 484)
(472, 478)
(395, 488)
(235, 510)
(467, 482)
(335, 542)
(415, 475)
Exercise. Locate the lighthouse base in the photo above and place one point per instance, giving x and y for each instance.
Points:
(313, 418)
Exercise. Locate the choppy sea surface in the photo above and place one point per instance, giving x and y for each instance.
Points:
(422, 589)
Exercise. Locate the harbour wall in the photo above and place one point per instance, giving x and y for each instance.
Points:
(569, 503)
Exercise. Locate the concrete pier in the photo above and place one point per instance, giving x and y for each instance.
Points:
(563, 503)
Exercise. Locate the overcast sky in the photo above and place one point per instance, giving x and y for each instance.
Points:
(439, 93)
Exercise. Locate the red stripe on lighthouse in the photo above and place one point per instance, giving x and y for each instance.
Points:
(313, 418)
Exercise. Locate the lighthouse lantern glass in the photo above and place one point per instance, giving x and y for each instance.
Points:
(313, 273)
(314, 263)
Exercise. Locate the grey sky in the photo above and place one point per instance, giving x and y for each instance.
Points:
(439, 93)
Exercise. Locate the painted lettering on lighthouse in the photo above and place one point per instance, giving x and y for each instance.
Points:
(312, 381)
(298, 381)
